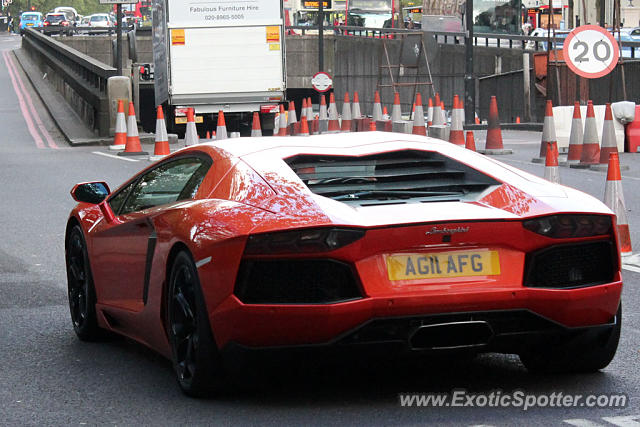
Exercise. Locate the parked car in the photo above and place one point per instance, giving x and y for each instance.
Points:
(343, 241)
(31, 20)
(57, 23)
(83, 27)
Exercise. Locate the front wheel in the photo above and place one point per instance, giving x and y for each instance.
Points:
(587, 353)
(80, 289)
(196, 360)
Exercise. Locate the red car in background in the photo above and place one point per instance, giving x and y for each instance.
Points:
(344, 240)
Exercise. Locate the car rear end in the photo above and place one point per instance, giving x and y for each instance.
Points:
(424, 253)
(30, 20)
(56, 23)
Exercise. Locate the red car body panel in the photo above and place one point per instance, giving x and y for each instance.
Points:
(247, 192)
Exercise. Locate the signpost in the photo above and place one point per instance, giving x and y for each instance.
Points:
(591, 51)
(118, 4)
(321, 81)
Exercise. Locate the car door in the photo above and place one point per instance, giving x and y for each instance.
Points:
(122, 250)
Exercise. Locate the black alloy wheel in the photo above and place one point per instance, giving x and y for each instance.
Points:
(195, 357)
(82, 299)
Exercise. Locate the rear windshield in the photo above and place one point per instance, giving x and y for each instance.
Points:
(98, 18)
(29, 17)
(55, 18)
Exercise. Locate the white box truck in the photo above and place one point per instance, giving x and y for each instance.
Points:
(219, 55)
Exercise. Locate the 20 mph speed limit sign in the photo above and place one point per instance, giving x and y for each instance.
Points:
(591, 51)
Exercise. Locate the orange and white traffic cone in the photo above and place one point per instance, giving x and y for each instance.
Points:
(396, 110)
(377, 108)
(132, 147)
(355, 107)
(161, 148)
(334, 125)
(517, 119)
(576, 136)
(120, 137)
(494, 133)
(614, 199)
(438, 117)
(456, 135)
(590, 142)
(304, 127)
(208, 135)
(191, 134)
(470, 144)
(548, 132)
(303, 109)
(221, 128)
(418, 117)
(551, 163)
(282, 121)
(430, 112)
(609, 144)
(323, 115)
(292, 118)
(255, 125)
(309, 110)
(385, 113)
(346, 114)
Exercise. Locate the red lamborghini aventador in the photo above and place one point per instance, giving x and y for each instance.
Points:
(340, 240)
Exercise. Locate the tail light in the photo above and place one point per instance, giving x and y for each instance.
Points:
(570, 226)
(302, 241)
(65, 23)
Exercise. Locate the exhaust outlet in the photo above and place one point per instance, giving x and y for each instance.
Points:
(451, 335)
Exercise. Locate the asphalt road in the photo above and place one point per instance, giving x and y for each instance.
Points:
(48, 377)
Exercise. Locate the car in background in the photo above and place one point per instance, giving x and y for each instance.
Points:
(31, 20)
(629, 35)
(57, 23)
(100, 23)
(83, 26)
(361, 241)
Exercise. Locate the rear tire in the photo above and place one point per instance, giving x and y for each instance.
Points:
(196, 360)
(578, 355)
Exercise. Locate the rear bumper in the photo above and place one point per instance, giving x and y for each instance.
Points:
(535, 312)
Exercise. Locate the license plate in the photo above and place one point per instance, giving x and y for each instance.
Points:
(443, 264)
(183, 120)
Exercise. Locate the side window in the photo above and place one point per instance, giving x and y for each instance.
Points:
(116, 201)
(168, 183)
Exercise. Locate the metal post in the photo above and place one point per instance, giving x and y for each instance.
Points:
(526, 76)
(469, 84)
(320, 35)
(119, 38)
(602, 12)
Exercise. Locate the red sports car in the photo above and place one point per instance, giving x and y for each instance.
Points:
(338, 240)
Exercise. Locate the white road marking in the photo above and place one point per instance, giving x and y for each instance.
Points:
(630, 268)
(113, 156)
(203, 261)
(624, 421)
(581, 422)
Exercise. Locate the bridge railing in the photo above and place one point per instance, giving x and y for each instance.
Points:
(86, 76)
(630, 49)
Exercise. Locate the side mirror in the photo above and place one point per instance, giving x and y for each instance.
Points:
(90, 192)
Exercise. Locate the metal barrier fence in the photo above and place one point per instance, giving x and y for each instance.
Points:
(86, 77)
(506, 41)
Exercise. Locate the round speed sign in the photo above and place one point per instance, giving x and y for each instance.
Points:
(591, 51)
(321, 81)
